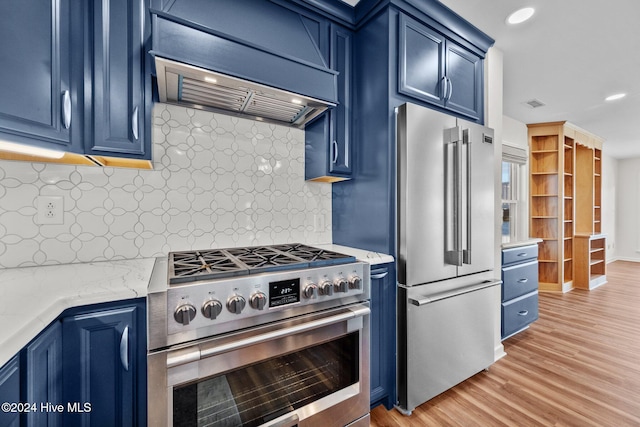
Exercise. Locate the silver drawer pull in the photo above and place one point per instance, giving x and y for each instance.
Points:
(523, 313)
(134, 123)
(66, 109)
(522, 254)
(523, 280)
(124, 348)
(379, 276)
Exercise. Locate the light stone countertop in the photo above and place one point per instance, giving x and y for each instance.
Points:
(32, 297)
(527, 242)
(372, 258)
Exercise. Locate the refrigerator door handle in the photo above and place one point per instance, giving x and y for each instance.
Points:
(453, 218)
(466, 253)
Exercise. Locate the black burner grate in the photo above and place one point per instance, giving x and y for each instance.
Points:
(189, 266)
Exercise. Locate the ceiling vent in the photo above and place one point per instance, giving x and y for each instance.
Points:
(534, 103)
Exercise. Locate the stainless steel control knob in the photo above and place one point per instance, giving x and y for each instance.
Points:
(258, 300)
(355, 282)
(326, 288)
(311, 291)
(211, 309)
(341, 284)
(184, 313)
(235, 304)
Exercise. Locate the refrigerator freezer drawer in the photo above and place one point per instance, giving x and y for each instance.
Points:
(446, 342)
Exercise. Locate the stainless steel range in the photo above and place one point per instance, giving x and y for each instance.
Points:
(259, 336)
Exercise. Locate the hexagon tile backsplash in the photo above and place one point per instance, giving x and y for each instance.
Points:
(219, 181)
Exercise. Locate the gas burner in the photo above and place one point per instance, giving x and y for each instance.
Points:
(203, 264)
(190, 266)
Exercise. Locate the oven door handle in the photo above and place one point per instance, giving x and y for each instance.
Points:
(195, 353)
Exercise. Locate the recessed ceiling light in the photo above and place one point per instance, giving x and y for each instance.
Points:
(520, 15)
(616, 96)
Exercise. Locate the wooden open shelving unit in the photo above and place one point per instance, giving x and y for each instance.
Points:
(565, 196)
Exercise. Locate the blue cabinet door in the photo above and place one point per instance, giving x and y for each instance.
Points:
(464, 73)
(340, 149)
(383, 337)
(10, 391)
(439, 71)
(101, 354)
(41, 76)
(44, 376)
(328, 156)
(421, 68)
(117, 116)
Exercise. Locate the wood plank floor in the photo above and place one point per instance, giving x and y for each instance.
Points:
(578, 365)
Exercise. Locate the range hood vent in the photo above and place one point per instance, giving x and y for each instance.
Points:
(196, 87)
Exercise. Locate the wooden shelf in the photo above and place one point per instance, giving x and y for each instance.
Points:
(565, 198)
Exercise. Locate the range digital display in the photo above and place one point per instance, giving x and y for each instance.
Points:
(284, 292)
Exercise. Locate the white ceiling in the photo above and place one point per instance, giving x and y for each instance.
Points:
(570, 56)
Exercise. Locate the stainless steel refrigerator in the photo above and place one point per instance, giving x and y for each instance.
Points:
(448, 298)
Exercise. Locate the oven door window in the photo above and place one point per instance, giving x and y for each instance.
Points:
(255, 394)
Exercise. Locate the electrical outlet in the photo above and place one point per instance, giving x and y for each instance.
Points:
(50, 210)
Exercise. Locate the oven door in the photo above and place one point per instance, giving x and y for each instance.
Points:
(309, 371)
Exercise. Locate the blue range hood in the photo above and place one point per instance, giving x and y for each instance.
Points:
(250, 58)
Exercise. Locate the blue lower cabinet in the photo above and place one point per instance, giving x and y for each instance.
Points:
(104, 381)
(383, 336)
(44, 377)
(10, 392)
(519, 288)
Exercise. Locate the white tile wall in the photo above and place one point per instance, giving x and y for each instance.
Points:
(218, 181)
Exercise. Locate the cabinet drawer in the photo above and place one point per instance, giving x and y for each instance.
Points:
(520, 254)
(519, 279)
(518, 313)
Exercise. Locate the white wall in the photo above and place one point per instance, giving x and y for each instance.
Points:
(493, 119)
(627, 216)
(609, 202)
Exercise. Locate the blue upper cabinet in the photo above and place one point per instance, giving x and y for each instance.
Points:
(328, 156)
(73, 76)
(116, 61)
(437, 70)
(41, 75)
